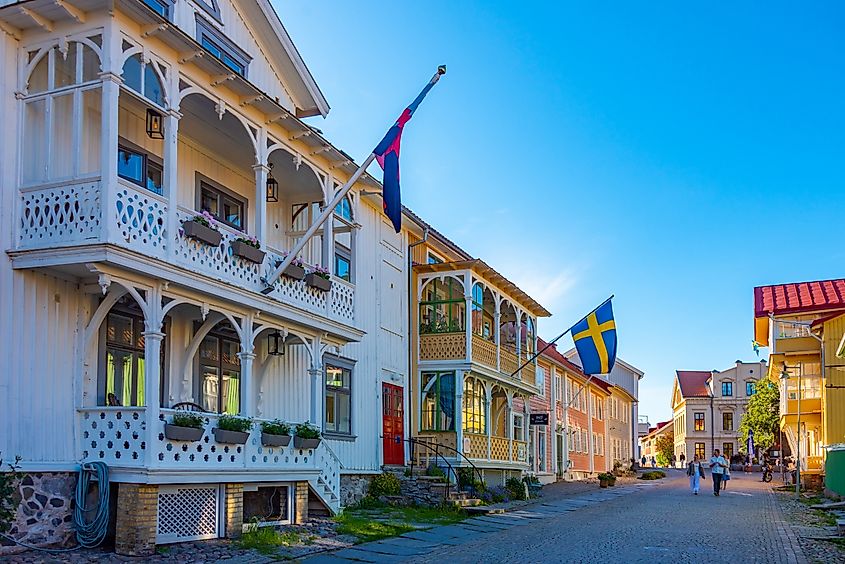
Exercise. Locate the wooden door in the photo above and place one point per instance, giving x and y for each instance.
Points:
(393, 431)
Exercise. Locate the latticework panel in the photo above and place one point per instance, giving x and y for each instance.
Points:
(187, 513)
(483, 351)
(296, 292)
(475, 446)
(443, 346)
(343, 301)
(116, 436)
(141, 219)
(509, 361)
(499, 448)
(68, 214)
(520, 451)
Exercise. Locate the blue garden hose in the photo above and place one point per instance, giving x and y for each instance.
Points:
(91, 531)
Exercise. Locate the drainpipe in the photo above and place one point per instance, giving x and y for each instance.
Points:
(411, 299)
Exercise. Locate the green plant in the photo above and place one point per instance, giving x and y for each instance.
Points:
(468, 478)
(384, 484)
(8, 488)
(307, 431)
(515, 487)
(249, 240)
(606, 476)
(234, 423)
(187, 419)
(267, 540)
(762, 415)
(366, 529)
(435, 471)
(653, 475)
(275, 427)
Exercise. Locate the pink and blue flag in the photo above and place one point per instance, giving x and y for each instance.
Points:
(387, 155)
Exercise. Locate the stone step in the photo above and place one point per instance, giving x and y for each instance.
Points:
(484, 510)
(471, 502)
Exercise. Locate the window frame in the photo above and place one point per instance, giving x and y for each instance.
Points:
(521, 427)
(166, 4)
(345, 365)
(750, 387)
(222, 192)
(206, 31)
(727, 416)
(434, 258)
(474, 406)
(727, 385)
(148, 158)
(702, 453)
(697, 420)
(211, 7)
(455, 303)
(341, 252)
(728, 452)
(220, 366)
(425, 389)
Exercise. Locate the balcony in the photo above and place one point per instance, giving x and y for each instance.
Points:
(453, 346)
(475, 448)
(122, 438)
(71, 216)
(792, 338)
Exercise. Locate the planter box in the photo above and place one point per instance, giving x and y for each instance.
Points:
(275, 440)
(603, 483)
(177, 433)
(248, 252)
(293, 271)
(231, 437)
(199, 232)
(299, 442)
(318, 282)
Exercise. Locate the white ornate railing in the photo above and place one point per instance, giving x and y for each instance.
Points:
(71, 214)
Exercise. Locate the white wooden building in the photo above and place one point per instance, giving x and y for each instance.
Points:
(101, 271)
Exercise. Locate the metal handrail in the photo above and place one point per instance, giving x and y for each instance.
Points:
(414, 440)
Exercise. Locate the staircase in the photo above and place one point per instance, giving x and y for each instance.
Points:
(326, 486)
(431, 490)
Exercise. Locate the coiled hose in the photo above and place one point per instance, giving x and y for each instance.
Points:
(91, 531)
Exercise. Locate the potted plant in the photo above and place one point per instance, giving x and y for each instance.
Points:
(295, 270)
(306, 436)
(232, 429)
(185, 427)
(319, 278)
(248, 247)
(201, 228)
(604, 480)
(275, 433)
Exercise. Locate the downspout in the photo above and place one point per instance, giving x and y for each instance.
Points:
(411, 299)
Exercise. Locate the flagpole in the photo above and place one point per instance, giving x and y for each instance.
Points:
(553, 341)
(329, 209)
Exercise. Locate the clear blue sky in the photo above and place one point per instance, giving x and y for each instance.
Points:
(673, 155)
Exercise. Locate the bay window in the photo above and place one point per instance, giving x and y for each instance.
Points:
(442, 309)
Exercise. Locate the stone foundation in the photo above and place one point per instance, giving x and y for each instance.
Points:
(45, 509)
(353, 488)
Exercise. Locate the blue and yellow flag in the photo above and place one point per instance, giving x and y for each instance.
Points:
(595, 339)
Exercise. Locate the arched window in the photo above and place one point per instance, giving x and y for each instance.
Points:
(62, 114)
(475, 402)
(482, 312)
(143, 79)
(443, 308)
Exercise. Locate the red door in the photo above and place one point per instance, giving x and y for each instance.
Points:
(394, 425)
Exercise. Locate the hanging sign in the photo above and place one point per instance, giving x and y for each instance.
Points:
(539, 419)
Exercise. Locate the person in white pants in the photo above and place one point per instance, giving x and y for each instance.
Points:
(695, 471)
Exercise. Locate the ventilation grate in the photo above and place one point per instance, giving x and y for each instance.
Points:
(188, 513)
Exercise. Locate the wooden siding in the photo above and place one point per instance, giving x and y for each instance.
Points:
(834, 392)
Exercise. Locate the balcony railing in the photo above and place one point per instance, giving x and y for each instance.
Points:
(452, 346)
(501, 449)
(70, 215)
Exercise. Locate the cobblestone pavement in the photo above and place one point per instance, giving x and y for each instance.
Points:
(646, 522)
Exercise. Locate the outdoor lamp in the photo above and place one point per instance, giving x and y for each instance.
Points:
(784, 374)
(155, 127)
(276, 343)
(272, 186)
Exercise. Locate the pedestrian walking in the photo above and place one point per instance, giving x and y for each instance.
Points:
(717, 469)
(653, 462)
(673, 462)
(683, 460)
(643, 461)
(726, 476)
(695, 471)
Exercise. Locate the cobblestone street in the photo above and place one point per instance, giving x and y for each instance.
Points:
(642, 523)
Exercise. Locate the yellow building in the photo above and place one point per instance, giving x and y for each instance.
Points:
(802, 324)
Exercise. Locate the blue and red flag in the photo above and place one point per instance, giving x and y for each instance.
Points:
(387, 155)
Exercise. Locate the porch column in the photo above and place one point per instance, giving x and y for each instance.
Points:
(316, 397)
(171, 144)
(247, 384)
(468, 313)
(489, 397)
(459, 411)
(152, 384)
(108, 153)
(260, 232)
(328, 232)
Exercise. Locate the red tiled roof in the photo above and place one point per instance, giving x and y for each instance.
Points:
(799, 297)
(693, 383)
(657, 427)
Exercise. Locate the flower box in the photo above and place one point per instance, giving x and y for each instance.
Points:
(275, 440)
(294, 271)
(603, 483)
(199, 232)
(318, 282)
(247, 252)
(179, 433)
(299, 442)
(231, 437)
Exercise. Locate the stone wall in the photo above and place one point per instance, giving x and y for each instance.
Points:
(353, 488)
(45, 509)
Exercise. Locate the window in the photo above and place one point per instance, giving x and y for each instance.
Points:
(220, 373)
(699, 421)
(540, 380)
(342, 262)
(338, 398)
(343, 209)
(700, 451)
(518, 427)
(434, 259)
(568, 385)
(140, 168)
(482, 312)
(558, 389)
(161, 7)
(122, 360)
(211, 7)
(585, 441)
(599, 408)
(541, 449)
(528, 338)
(475, 402)
(142, 77)
(438, 401)
(443, 307)
(220, 46)
(727, 450)
(750, 388)
(727, 389)
(728, 421)
(224, 206)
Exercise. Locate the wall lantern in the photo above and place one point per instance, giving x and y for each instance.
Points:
(155, 127)
(276, 344)
(272, 186)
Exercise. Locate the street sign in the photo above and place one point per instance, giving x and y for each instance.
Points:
(539, 419)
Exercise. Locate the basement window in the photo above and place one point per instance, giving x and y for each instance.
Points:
(266, 504)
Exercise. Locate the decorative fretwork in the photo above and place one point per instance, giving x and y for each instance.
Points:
(443, 346)
(483, 351)
(60, 215)
(343, 301)
(475, 446)
(499, 448)
(509, 362)
(116, 436)
(141, 221)
(187, 513)
(520, 451)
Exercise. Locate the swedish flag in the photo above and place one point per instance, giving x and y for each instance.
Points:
(595, 339)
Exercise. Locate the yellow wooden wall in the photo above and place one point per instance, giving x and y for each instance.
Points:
(834, 388)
